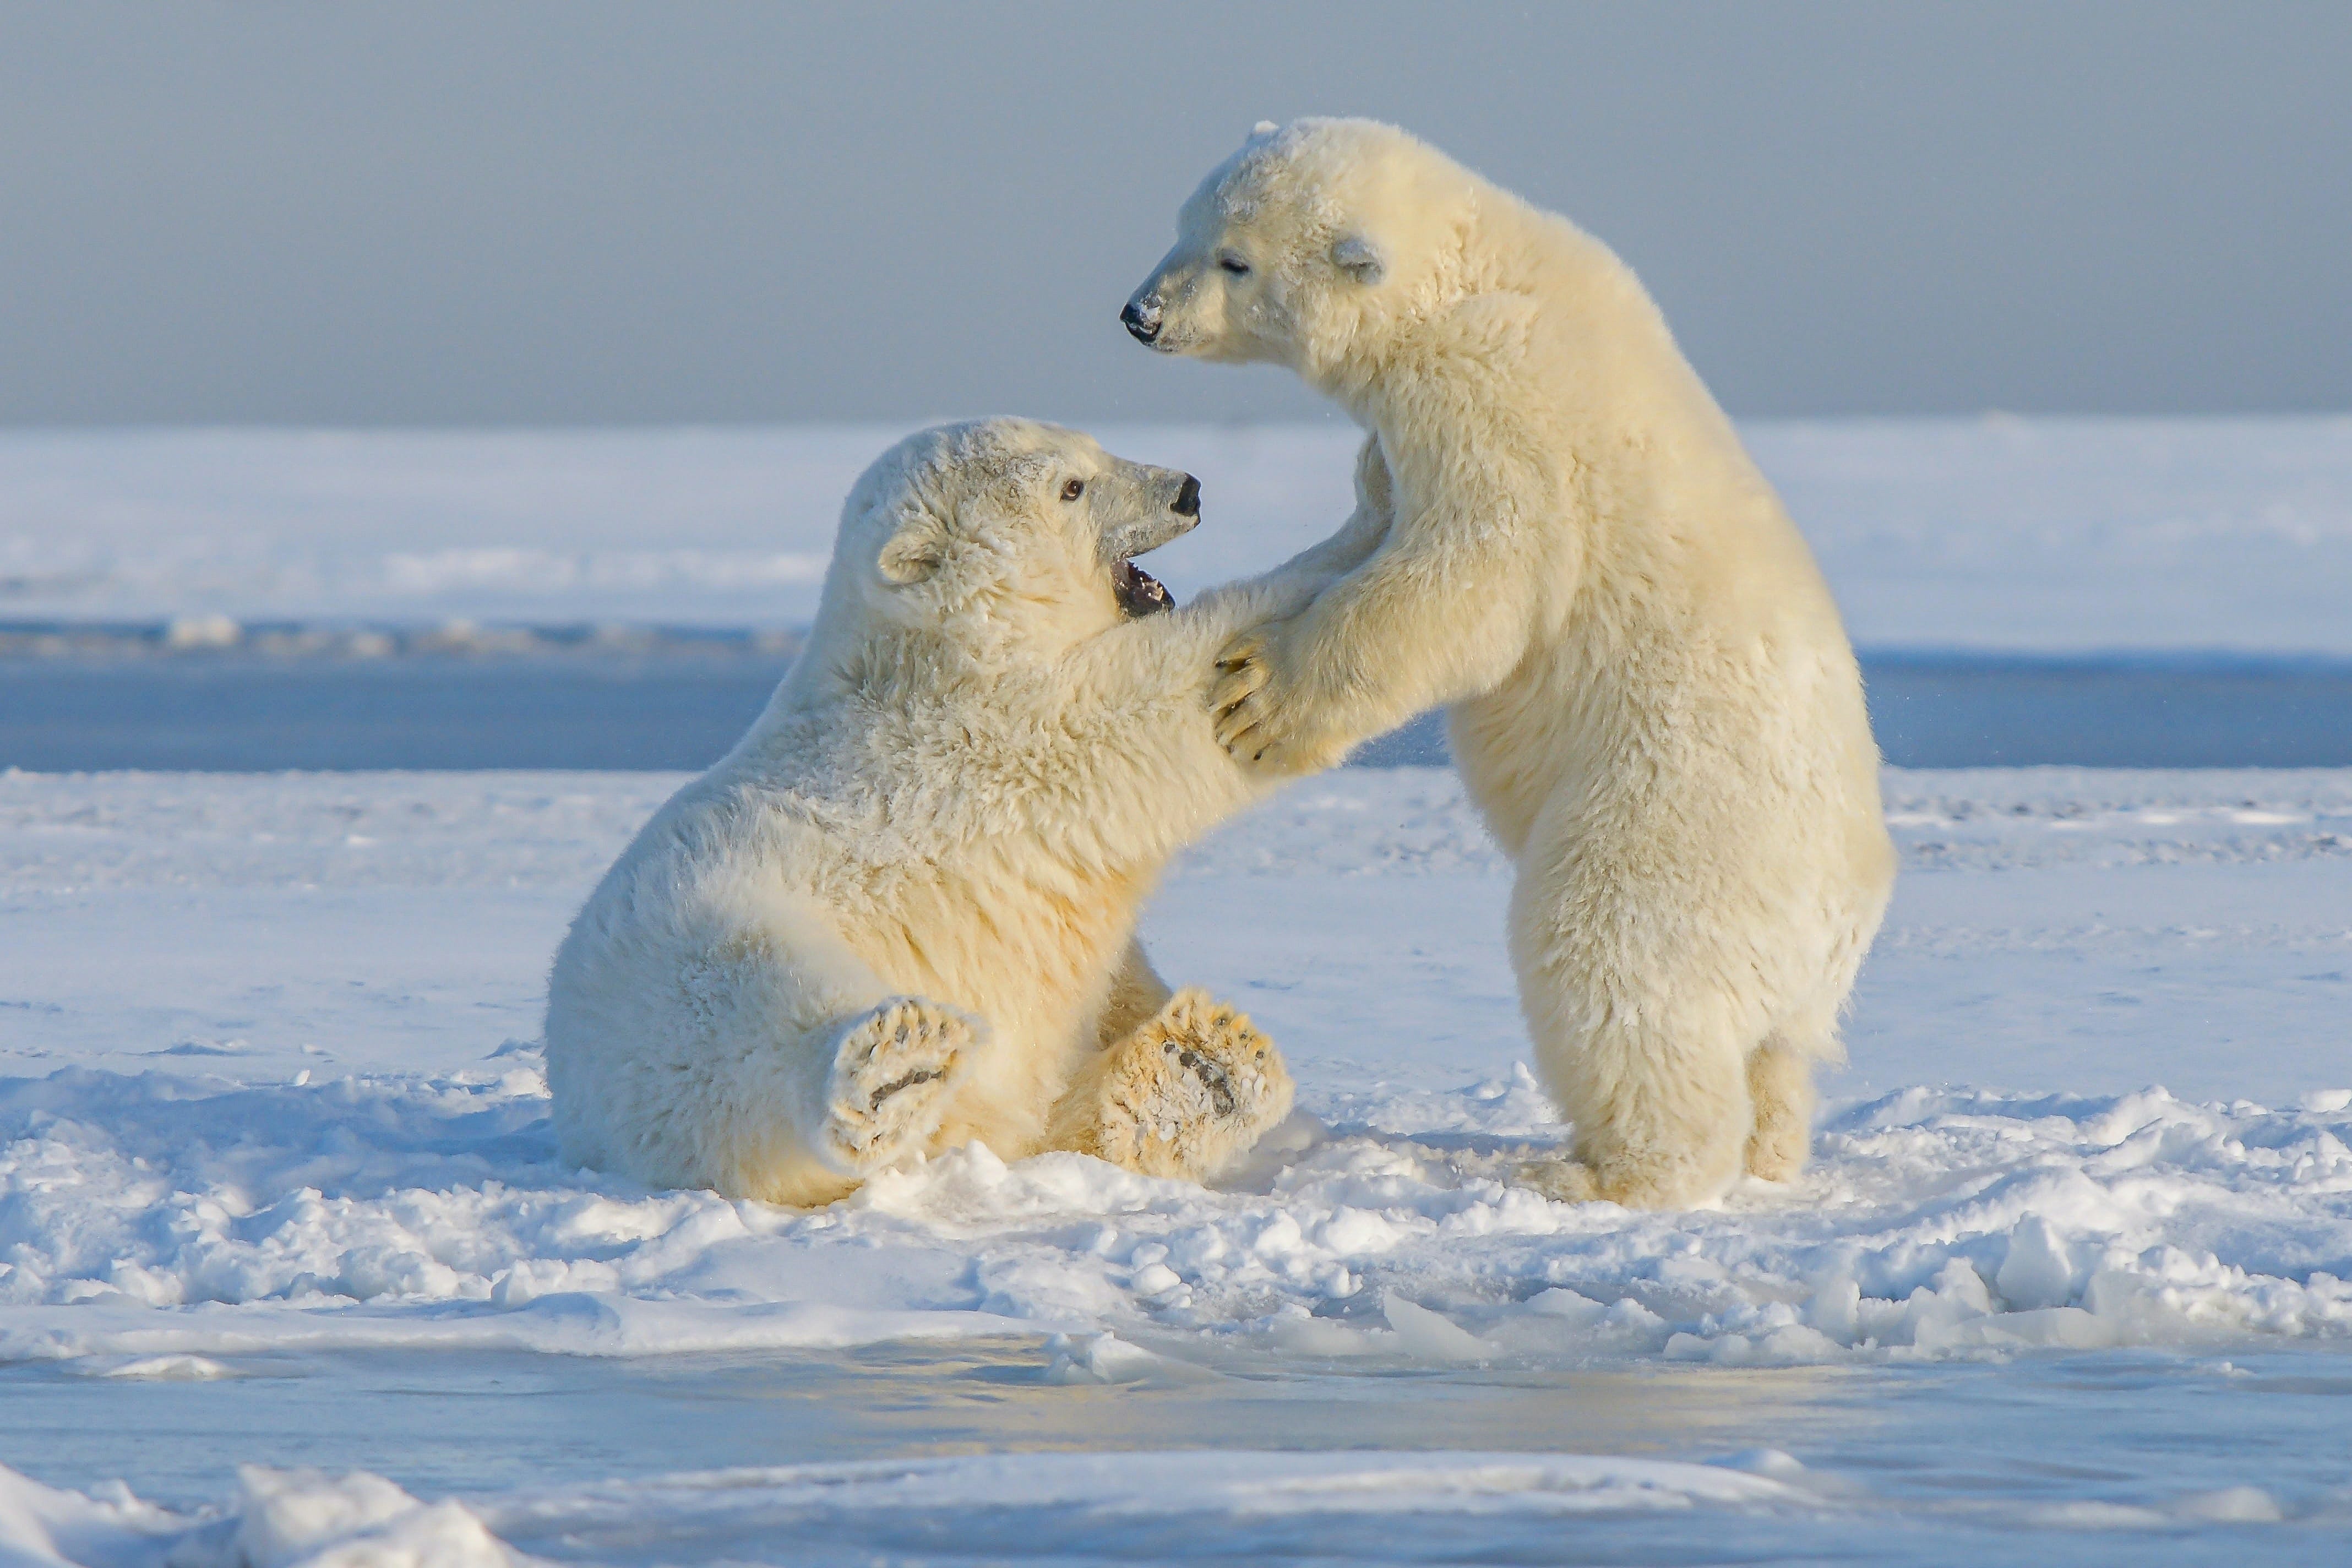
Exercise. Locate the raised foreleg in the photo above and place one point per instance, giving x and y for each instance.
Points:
(1442, 608)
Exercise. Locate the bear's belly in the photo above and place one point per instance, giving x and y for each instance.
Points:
(1036, 963)
(1760, 760)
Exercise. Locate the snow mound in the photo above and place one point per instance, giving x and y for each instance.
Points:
(145, 1218)
(276, 1519)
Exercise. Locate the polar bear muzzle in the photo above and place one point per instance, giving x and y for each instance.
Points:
(1138, 592)
(1141, 317)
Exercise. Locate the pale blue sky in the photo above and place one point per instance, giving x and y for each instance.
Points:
(548, 213)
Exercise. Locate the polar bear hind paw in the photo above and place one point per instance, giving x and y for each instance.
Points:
(1628, 1184)
(892, 1074)
(1561, 1180)
(1191, 1091)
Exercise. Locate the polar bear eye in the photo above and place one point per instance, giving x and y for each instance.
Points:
(1234, 265)
(1072, 490)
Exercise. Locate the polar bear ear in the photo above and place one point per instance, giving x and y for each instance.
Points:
(1358, 257)
(914, 549)
(1263, 127)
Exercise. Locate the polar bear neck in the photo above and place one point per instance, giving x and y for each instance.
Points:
(1533, 319)
(1551, 357)
(907, 729)
(1508, 275)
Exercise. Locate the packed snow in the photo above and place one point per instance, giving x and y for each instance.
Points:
(1065, 1507)
(275, 1095)
(2032, 535)
(290, 1272)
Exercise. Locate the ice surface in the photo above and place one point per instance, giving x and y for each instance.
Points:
(2039, 536)
(1234, 1505)
(1036, 1505)
(275, 1141)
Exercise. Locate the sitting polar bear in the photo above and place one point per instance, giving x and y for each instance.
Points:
(898, 916)
(1653, 703)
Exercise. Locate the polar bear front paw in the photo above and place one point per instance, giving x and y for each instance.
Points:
(892, 1074)
(1191, 1091)
(1261, 722)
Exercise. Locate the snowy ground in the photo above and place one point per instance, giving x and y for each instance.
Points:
(2042, 536)
(276, 1186)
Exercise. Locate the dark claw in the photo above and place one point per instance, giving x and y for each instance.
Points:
(920, 1074)
(1216, 1080)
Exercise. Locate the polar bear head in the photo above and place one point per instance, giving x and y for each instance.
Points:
(1004, 534)
(1306, 245)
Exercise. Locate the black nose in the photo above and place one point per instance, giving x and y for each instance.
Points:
(1187, 498)
(1144, 324)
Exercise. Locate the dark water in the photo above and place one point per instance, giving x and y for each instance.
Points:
(245, 713)
(252, 715)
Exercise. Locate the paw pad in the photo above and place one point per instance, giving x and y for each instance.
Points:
(889, 1084)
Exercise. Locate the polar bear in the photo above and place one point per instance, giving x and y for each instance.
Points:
(900, 915)
(1652, 700)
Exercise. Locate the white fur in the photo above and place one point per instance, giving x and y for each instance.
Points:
(1654, 701)
(920, 871)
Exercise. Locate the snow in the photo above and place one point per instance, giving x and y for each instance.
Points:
(1998, 534)
(290, 1272)
(275, 1114)
(281, 1519)
(1760, 1504)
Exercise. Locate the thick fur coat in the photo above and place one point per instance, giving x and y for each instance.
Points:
(900, 915)
(1651, 698)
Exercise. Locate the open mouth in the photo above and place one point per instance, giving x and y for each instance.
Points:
(1139, 592)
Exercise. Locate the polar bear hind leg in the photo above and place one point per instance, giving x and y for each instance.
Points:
(1640, 1031)
(1184, 1096)
(1779, 1140)
(1668, 1133)
(1780, 1089)
(893, 1072)
(1137, 994)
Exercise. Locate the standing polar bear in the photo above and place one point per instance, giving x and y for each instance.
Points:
(898, 916)
(1652, 700)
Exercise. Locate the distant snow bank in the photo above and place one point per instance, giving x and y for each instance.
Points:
(2034, 535)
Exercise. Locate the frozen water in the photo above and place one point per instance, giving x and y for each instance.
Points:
(683, 707)
(275, 1185)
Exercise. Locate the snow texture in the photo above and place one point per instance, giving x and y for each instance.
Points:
(357, 1168)
(274, 1094)
(285, 1519)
